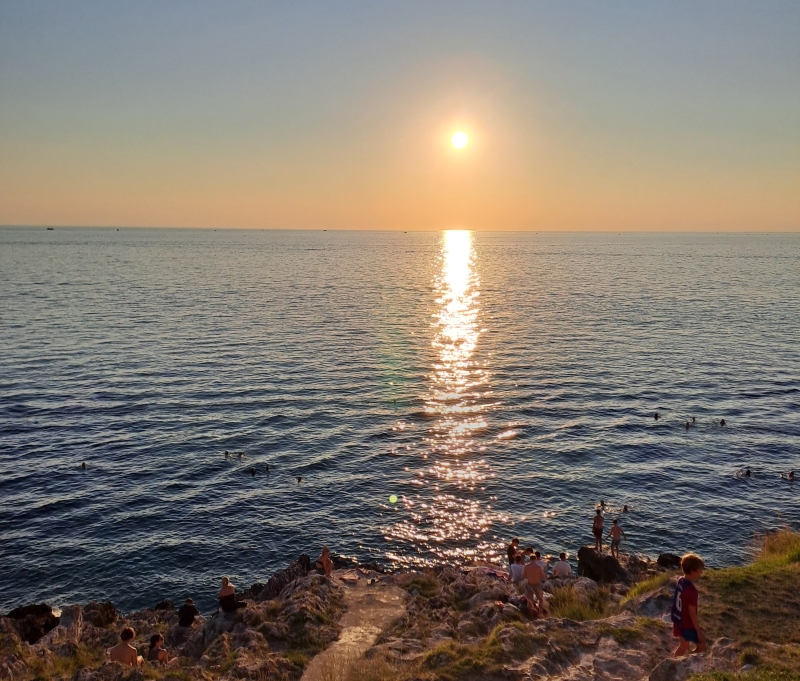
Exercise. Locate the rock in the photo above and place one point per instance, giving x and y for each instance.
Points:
(165, 605)
(69, 629)
(266, 592)
(100, 614)
(599, 567)
(669, 561)
(33, 621)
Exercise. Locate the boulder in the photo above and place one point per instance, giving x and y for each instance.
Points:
(599, 567)
(166, 604)
(69, 629)
(266, 592)
(100, 614)
(669, 561)
(33, 621)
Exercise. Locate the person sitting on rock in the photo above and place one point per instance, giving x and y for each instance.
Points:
(517, 570)
(156, 652)
(562, 569)
(124, 652)
(324, 564)
(541, 562)
(227, 597)
(186, 613)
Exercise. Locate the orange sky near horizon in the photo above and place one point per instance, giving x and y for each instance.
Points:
(621, 126)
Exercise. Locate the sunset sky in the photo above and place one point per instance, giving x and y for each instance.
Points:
(324, 115)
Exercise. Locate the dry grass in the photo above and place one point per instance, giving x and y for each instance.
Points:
(566, 603)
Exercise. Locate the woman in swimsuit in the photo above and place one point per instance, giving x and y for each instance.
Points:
(156, 652)
(324, 564)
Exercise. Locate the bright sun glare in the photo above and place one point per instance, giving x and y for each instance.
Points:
(459, 139)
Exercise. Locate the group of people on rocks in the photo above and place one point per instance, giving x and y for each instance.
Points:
(126, 653)
(531, 575)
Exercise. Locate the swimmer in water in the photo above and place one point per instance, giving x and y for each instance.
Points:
(253, 472)
(747, 473)
(790, 476)
(722, 422)
(687, 425)
(266, 465)
(655, 416)
(299, 479)
(227, 454)
(83, 465)
(625, 508)
(693, 419)
(602, 503)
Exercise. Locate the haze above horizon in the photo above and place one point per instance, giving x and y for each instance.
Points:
(578, 116)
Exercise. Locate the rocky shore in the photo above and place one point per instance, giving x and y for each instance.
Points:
(611, 623)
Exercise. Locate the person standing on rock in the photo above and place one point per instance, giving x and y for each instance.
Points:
(512, 549)
(534, 576)
(124, 652)
(597, 530)
(616, 535)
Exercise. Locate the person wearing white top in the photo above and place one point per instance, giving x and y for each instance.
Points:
(517, 570)
(562, 569)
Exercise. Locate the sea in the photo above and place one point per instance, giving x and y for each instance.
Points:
(407, 398)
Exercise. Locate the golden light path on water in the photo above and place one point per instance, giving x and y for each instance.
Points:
(448, 517)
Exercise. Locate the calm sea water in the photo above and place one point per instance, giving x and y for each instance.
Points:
(496, 384)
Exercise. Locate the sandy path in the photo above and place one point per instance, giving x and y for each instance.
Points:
(370, 609)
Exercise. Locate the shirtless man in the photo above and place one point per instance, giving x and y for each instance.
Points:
(597, 530)
(124, 652)
(534, 575)
(616, 534)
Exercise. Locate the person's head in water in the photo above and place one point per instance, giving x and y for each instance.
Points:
(722, 422)
(687, 425)
(693, 420)
(655, 416)
(747, 473)
(156, 640)
(253, 472)
(602, 503)
(791, 475)
(625, 508)
(127, 634)
(83, 465)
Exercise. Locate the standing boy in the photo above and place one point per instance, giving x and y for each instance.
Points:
(616, 535)
(685, 626)
(597, 530)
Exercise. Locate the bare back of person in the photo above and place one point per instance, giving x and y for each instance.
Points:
(125, 653)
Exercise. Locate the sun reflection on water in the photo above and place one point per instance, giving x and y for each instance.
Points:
(448, 517)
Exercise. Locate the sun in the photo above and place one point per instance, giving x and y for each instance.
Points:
(459, 139)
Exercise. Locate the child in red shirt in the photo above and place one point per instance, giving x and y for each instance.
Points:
(685, 626)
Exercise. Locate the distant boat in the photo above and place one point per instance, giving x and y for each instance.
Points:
(49, 229)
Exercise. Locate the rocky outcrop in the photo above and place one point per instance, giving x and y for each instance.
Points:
(32, 622)
(669, 561)
(600, 567)
(263, 592)
(100, 614)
